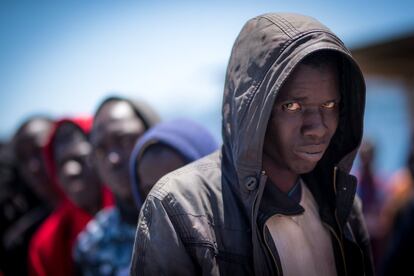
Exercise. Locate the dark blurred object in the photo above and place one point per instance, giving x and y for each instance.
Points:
(390, 58)
(28, 143)
(21, 212)
(400, 192)
(398, 259)
(400, 217)
(370, 189)
(368, 184)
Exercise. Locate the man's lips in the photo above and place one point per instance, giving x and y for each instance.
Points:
(311, 153)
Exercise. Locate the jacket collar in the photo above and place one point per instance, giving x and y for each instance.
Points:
(274, 201)
(335, 200)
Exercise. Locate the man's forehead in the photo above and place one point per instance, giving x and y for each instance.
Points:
(115, 128)
(33, 136)
(304, 77)
(36, 128)
(72, 148)
(115, 111)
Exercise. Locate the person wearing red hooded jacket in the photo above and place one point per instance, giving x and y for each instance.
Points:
(67, 156)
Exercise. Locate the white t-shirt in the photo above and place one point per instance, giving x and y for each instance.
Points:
(303, 243)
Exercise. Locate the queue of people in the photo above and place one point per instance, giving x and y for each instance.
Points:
(81, 200)
(124, 192)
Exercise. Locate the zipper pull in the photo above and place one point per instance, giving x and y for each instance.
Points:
(334, 178)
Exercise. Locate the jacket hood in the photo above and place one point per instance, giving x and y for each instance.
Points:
(264, 54)
(84, 123)
(191, 140)
(145, 112)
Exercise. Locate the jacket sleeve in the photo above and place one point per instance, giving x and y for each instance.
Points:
(35, 262)
(158, 248)
(360, 231)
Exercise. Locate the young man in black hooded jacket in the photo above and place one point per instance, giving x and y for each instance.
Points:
(278, 198)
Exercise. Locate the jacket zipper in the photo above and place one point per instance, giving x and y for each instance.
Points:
(337, 221)
(264, 239)
(273, 257)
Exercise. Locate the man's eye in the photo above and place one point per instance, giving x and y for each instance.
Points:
(329, 105)
(291, 107)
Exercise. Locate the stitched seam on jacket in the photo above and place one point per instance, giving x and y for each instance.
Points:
(287, 27)
(160, 191)
(280, 24)
(210, 222)
(288, 24)
(147, 214)
(280, 27)
(179, 226)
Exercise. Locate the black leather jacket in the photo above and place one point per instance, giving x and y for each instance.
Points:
(208, 217)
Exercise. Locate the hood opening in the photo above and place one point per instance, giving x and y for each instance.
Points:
(248, 98)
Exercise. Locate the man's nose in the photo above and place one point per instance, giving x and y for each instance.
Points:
(114, 158)
(313, 124)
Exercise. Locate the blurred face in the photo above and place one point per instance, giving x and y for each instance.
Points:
(304, 119)
(116, 129)
(28, 147)
(75, 171)
(154, 164)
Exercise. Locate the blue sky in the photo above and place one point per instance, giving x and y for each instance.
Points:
(62, 58)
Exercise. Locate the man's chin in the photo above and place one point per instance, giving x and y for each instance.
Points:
(305, 167)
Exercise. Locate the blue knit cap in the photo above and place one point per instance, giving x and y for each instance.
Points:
(191, 140)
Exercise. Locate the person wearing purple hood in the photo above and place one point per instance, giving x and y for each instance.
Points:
(165, 148)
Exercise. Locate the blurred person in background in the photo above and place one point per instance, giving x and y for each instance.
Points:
(69, 165)
(399, 192)
(371, 191)
(21, 212)
(104, 248)
(29, 141)
(400, 248)
(163, 148)
(278, 198)
(27, 194)
(398, 221)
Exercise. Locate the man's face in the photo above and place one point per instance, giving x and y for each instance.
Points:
(116, 129)
(75, 171)
(155, 164)
(304, 119)
(28, 146)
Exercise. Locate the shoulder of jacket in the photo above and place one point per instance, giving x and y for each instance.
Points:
(189, 179)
